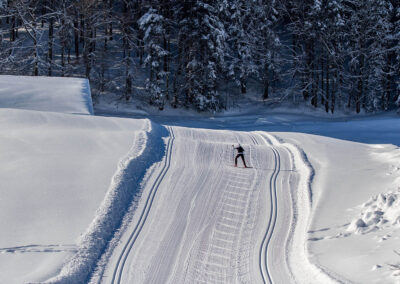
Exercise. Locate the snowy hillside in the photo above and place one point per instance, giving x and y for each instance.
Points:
(156, 199)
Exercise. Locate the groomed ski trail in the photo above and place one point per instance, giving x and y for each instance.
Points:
(204, 221)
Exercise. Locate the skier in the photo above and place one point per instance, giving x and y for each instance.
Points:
(240, 151)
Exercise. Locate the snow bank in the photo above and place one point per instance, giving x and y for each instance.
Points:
(56, 94)
(148, 149)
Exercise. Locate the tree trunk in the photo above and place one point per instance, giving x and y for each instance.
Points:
(243, 86)
(359, 94)
(62, 60)
(316, 86)
(76, 39)
(12, 30)
(36, 66)
(333, 94)
(266, 83)
(308, 72)
(82, 29)
(322, 82)
(327, 86)
(110, 31)
(128, 79)
(62, 43)
(360, 88)
(50, 51)
(314, 78)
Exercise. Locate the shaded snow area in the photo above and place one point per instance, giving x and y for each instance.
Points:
(56, 94)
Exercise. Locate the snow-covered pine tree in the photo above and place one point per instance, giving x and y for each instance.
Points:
(396, 42)
(7, 39)
(31, 53)
(202, 40)
(241, 37)
(65, 34)
(128, 27)
(368, 50)
(304, 17)
(267, 46)
(153, 24)
(331, 50)
(380, 14)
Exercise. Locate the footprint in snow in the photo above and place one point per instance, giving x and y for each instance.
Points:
(39, 249)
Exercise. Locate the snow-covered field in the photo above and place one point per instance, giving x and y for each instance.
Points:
(156, 199)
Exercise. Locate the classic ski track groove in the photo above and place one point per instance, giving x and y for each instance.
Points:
(117, 275)
(263, 257)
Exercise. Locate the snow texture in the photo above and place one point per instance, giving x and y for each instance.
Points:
(379, 211)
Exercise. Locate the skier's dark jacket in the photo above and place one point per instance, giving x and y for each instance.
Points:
(240, 149)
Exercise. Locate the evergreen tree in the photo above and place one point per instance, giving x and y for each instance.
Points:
(202, 39)
(332, 55)
(304, 24)
(241, 39)
(396, 47)
(367, 51)
(267, 44)
(152, 23)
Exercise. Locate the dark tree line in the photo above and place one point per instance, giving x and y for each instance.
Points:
(327, 53)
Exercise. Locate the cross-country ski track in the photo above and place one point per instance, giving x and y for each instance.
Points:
(201, 220)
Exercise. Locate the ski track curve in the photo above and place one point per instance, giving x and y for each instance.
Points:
(264, 268)
(118, 270)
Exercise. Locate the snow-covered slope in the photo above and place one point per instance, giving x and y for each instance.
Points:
(56, 94)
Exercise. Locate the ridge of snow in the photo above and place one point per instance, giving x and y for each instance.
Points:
(147, 149)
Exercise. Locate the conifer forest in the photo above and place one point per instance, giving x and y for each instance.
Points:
(330, 54)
